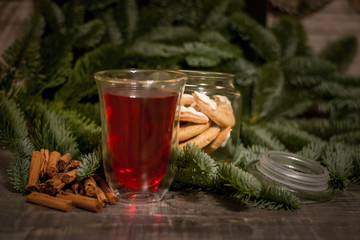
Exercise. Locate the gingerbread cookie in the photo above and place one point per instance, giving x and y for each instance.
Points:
(219, 111)
(220, 140)
(187, 100)
(189, 114)
(203, 138)
(191, 130)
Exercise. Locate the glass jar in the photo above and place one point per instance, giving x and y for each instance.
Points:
(304, 177)
(210, 113)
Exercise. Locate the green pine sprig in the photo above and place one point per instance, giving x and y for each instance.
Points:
(258, 134)
(14, 132)
(274, 197)
(338, 160)
(52, 132)
(195, 169)
(89, 163)
(239, 183)
(293, 138)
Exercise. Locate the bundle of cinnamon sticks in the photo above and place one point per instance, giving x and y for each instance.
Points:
(59, 188)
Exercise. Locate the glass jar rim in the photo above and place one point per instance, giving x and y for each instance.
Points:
(207, 74)
(294, 171)
(115, 75)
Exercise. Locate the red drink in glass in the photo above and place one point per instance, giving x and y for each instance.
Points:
(139, 132)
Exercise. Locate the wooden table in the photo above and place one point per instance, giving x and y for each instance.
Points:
(181, 215)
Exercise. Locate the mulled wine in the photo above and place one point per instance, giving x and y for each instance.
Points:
(139, 133)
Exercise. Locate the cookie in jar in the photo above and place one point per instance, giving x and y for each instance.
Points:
(210, 113)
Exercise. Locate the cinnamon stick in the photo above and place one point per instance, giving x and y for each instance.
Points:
(53, 185)
(68, 177)
(75, 187)
(83, 202)
(111, 196)
(72, 165)
(64, 161)
(52, 169)
(101, 196)
(34, 171)
(50, 201)
(44, 161)
(90, 187)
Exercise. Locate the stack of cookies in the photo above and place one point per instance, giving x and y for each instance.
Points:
(204, 121)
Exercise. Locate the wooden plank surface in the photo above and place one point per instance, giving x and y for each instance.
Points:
(181, 215)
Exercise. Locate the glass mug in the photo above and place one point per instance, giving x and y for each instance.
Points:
(139, 118)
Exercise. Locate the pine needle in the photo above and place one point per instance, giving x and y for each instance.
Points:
(243, 157)
(195, 169)
(293, 138)
(52, 132)
(268, 87)
(338, 160)
(12, 121)
(13, 130)
(86, 132)
(262, 41)
(242, 183)
(18, 173)
(256, 134)
(89, 163)
(341, 51)
(312, 151)
(274, 197)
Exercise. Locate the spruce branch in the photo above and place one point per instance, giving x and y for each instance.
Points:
(195, 169)
(275, 197)
(82, 82)
(18, 171)
(348, 137)
(127, 17)
(325, 128)
(286, 32)
(112, 30)
(338, 160)
(307, 71)
(89, 163)
(341, 52)
(241, 184)
(292, 137)
(213, 13)
(287, 104)
(13, 125)
(14, 131)
(171, 35)
(89, 34)
(53, 15)
(244, 157)
(268, 87)
(261, 40)
(312, 151)
(256, 134)
(345, 79)
(52, 132)
(154, 50)
(86, 132)
(57, 57)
